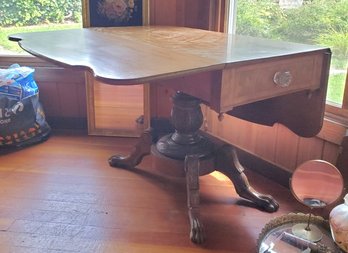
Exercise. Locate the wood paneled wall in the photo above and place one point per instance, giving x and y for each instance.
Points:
(63, 95)
(275, 144)
(202, 14)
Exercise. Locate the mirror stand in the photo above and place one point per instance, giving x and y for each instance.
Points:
(307, 230)
(315, 184)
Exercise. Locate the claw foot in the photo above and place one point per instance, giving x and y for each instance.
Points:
(228, 163)
(141, 149)
(266, 202)
(122, 162)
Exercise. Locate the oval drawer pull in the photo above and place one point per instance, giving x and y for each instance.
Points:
(282, 78)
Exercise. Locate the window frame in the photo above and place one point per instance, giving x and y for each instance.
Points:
(339, 112)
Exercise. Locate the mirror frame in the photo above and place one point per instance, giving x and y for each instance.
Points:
(339, 196)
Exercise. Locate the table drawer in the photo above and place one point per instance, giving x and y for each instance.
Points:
(262, 80)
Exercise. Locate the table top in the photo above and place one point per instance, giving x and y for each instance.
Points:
(131, 55)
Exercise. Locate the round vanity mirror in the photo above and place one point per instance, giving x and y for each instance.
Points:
(316, 184)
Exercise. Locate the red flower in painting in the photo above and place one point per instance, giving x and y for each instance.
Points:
(117, 10)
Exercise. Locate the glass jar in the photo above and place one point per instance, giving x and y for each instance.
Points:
(339, 224)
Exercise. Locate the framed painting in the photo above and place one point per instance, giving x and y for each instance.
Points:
(108, 13)
(116, 110)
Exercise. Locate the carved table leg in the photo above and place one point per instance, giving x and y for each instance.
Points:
(142, 148)
(192, 184)
(228, 164)
(199, 156)
(187, 144)
(186, 118)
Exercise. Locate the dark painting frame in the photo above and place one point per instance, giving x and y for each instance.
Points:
(113, 13)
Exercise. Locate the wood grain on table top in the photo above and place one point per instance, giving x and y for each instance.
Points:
(129, 55)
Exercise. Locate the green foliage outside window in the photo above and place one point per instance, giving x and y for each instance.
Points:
(259, 18)
(35, 12)
(316, 22)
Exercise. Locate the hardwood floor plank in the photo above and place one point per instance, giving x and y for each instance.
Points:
(62, 196)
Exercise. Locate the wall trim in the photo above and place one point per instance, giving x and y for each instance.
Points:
(73, 123)
(334, 128)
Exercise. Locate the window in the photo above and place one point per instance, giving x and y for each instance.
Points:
(35, 15)
(320, 22)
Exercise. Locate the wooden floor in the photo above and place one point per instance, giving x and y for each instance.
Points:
(61, 196)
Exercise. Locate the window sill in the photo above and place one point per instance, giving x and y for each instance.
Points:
(23, 59)
(335, 126)
(336, 111)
